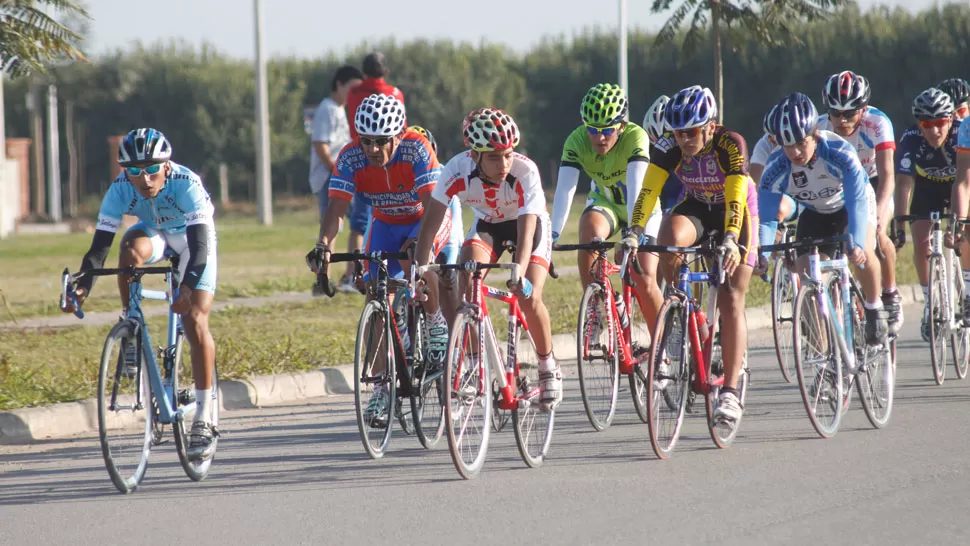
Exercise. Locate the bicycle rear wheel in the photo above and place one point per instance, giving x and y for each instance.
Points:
(960, 338)
(468, 395)
(532, 426)
(667, 390)
(782, 314)
(597, 356)
(817, 363)
(938, 321)
(197, 470)
(124, 399)
(427, 388)
(723, 434)
(374, 350)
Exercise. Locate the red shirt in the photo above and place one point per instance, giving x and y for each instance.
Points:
(368, 87)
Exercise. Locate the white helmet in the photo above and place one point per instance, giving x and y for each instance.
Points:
(380, 115)
(653, 121)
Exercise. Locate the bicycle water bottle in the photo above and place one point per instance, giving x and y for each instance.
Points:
(703, 329)
(621, 310)
(401, 323)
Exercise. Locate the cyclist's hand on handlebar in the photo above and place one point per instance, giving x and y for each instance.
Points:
(761, 268)
(631, 239)
(857, 256)
(183, 302)
(74, 300)
(732, 254)
(318, 258)
(524, 286)
(898, 237)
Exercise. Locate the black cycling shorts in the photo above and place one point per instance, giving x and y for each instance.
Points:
(929, 197)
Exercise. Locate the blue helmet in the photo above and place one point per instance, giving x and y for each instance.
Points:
(144, 145)
(691, 107)
(766, 121)
(794, 119)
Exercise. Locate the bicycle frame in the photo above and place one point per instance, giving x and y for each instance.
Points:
(843, 328)
(701, 353)
(602, 269)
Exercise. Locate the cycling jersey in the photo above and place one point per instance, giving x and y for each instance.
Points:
(182, 202)
(366, 88)
(874, 133)
(617, 176)
(521, 193)
(392, 191)
(718, 174)
(834, 179)
(963, 138)
(762, 149)
(918, 159)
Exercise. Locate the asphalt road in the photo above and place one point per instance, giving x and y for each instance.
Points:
(298, 475)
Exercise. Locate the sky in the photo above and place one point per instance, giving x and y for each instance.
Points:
(312, 28)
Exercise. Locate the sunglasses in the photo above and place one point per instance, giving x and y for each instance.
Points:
(380, 142)
(605, 131)
(688, 133)
(963, 111)
(931, 123)
(842, 114)
(151, 169)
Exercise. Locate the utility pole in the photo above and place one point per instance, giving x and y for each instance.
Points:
(622, 61)
(53, 155)
(264, 188)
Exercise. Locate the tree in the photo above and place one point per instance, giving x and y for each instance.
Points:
(29, 37)
(766, 20)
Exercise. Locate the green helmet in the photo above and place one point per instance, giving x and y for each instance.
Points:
(605, 104)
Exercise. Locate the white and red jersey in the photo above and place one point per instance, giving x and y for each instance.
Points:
(520, 193)
(874, 133)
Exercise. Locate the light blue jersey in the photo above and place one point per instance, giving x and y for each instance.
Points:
(182, 202)
(834, 179)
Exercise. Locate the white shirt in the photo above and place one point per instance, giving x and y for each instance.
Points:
(521, 193)
(330, 126)
(764, 147)
(874, 133)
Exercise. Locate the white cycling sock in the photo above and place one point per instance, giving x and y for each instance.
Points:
(548, 363)
(926, 293)
(203, 402)
(874, 305)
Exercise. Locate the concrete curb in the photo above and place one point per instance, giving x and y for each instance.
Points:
(27, 425)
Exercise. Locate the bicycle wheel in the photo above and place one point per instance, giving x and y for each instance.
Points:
(427, 389)
(817, 362)
(723, 435)
(500, 417)
(960, 338)
(782, 313)
(597, 356)
(124, 423)
(939, 322)
(468, 396)
(185, 400)
(640, 349)
(532, 426)
(667, 390)
(374, 351)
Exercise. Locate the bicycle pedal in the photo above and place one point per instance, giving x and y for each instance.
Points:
(186, 397)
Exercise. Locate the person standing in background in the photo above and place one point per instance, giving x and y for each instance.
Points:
(375, 70)
(330, 132)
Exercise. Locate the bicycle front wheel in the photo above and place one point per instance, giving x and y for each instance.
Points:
(782, 314)
(640, 349)
(597, 356)
(185, 400)
(817, 364)
(468, 395)
(938, 321)
(960, 339)
(124, 396)
(375, 387)
(723, 434)
(669, 377)
(532, 426)
(427, 389)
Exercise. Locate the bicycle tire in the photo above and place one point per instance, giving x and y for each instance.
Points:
(875, 379)
(373, 338)
(723, 436)
(121, 425)
(467, 387)
(427, 389)
(819, 382)
(782, 315)
(671, 333)
(960, 338)
(531, 424)
(938, 322)
(196, 470)
(597, 360)
(640, 349)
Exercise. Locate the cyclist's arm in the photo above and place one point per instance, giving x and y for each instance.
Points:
(961, 188)
(636, 170)
(526, 225)
(565, 191)
(198, 236)
(854, 184)
(771, 190)
(887, 178)
(736, 198)
(905, 167)
(653, 183)
(434, 214)
(109, 222)
(95, 257)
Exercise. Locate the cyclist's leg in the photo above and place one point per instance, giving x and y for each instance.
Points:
(537, 314)
(140, 245)
(645, 285)
(598, 220)
(437, 323)
(870, 278)
(731, 295)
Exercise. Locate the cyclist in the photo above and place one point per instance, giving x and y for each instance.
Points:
(615, 154)
(175, 218)
(711, 162)
(503, 189)
(656, 128)
(394, 171)
(959, 91)
(869, 130)
(961, 202)
(823, 172)
(926, 171)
